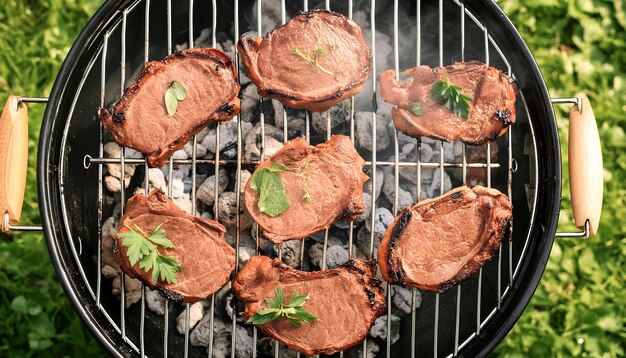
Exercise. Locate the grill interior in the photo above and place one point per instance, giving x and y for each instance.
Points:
(438, 325)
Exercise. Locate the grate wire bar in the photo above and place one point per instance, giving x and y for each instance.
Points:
(396, 164)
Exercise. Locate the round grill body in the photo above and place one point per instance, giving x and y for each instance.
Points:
(468, 320)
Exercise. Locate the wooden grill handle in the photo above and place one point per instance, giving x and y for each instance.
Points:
(13, 159)
(585, 166)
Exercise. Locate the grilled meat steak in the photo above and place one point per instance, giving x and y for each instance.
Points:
(314, 61)
(347, 300)
(206, 259)
(331, 173)
(140, 118)
(442, 241)
(491, 111)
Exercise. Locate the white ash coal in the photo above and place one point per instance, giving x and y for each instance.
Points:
(221, 345)
(154, 301)
(382, 219)
(245, 253)
(252, 144)
(295, 118)
(379, 329)
(206, 190)
(132, 289)
(196, 312)
(380, 178)
(249, 103)
(404, 197)
(402, 297)
(367, 202)
(201, 151)
(244, 177)
(228, 138)
(291, 252)
(227, 209)
(339, 118)
(200, 335)
(363, 132)
(113, 176)
(336, 254)
(246, 239)
(245, 342)
(266, 247)
(110, 267)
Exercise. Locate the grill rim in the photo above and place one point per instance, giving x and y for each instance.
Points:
(540, 238)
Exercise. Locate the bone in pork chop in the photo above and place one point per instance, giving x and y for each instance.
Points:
(140, 119)
(206, 259)
(347, 300)
(491, 110)
(314, 61)
(330, 173)
(442, 241)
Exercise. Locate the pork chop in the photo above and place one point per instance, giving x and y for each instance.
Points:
(140, 119)
(314, 61)
(331, 174)
(199, 245)
(442, 241)
(491, 111)
(346, 300)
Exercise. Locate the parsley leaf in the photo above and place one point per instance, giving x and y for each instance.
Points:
(451, 97)
(292, 311)
(143, 248)
(273, 199)
(416, 108)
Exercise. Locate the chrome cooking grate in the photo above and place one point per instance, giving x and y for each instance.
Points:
(489, 46)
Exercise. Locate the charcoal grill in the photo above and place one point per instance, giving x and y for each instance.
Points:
(469, 320)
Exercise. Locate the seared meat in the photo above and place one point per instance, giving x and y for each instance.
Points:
(140, 119)
(330, 172)
(491, 111)
(314, 61)
(206, 259)
(347, 300)
(442, 241)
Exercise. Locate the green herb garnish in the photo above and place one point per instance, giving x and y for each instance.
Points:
(416, 108)
(143, 248)
(292, 311)
(317, 54)
(175, 92)
(273, 199)
(451, 97)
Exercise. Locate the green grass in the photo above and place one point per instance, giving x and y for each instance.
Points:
(36, 318)
(578, 309)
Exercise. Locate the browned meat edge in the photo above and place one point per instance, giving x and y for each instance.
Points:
(373, 290)
(506, 115)
(115, 116)
(247, 45)
(123, 261)
(394, 272)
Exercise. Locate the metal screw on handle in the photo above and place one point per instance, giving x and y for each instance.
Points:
(14, 154)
